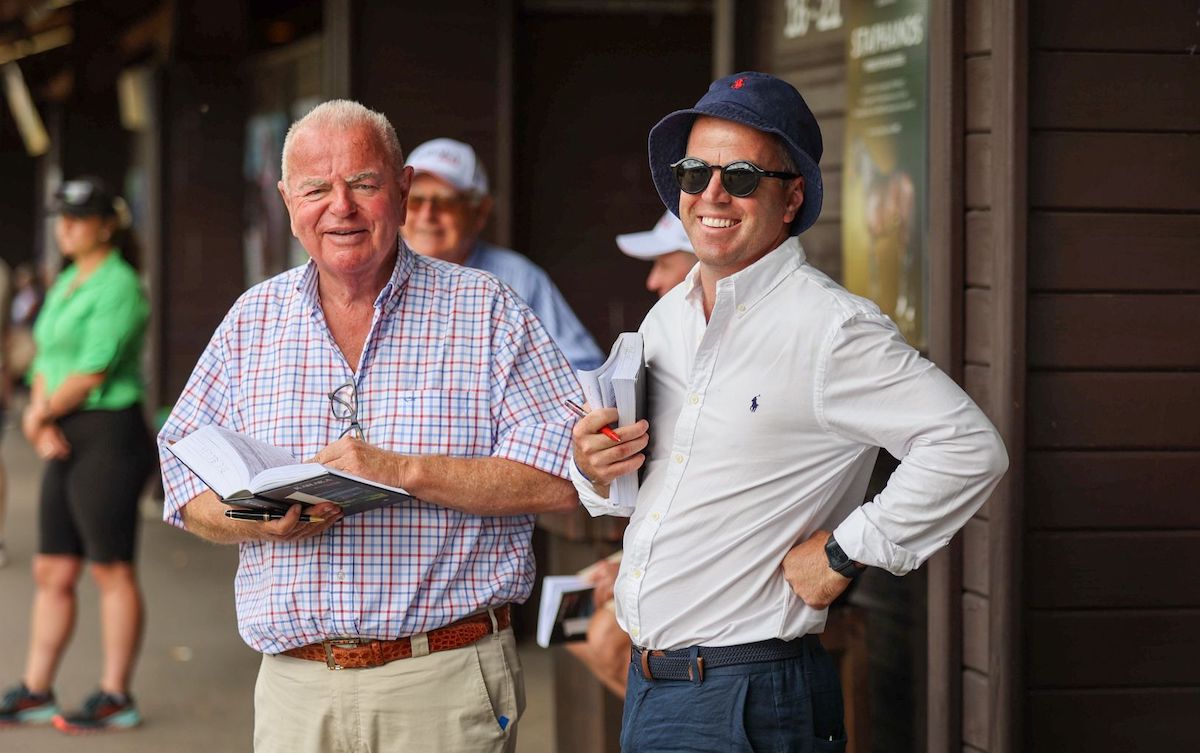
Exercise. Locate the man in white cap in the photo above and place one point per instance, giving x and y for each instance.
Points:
(668, 246)
(448, 208)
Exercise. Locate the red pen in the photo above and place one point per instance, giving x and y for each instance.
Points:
(578, 410)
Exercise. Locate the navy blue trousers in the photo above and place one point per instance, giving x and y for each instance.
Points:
(788, 706)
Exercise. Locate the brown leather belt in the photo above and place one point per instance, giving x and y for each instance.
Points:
(362, 653)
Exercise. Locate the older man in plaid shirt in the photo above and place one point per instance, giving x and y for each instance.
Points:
(411, 372)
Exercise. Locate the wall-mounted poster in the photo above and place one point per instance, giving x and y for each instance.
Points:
(884, 226)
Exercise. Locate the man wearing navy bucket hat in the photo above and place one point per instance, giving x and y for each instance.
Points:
(771, 390)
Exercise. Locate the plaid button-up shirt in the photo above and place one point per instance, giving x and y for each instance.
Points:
(454, 364)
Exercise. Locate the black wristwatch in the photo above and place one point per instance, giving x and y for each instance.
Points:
(838, 560)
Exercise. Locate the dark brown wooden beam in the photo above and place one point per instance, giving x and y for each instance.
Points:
(1009, 205)
(944, 637)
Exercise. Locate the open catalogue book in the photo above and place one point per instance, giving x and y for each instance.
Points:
(247, 472)
(620, 382)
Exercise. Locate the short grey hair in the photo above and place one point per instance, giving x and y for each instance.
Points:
(343, 115)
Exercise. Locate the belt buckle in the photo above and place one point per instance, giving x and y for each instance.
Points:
(330, 644)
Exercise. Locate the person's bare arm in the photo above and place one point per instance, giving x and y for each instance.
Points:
(204, 515)
(69, 395)
(480, 486)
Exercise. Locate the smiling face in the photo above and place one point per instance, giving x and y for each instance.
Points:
(442, 221)
(346, 201)
(731, 233)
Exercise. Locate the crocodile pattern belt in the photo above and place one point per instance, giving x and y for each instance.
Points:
(362, 653)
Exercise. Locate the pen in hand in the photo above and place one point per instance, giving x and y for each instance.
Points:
(578, 410)
(263, 516)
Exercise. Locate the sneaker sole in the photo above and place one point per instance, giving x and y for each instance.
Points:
(115, 723)
(31, 718)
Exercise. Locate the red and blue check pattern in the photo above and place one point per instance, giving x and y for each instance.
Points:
(454, 364)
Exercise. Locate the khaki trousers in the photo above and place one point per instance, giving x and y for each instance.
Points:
(468, 699)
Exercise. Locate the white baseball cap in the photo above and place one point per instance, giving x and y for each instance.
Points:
(452, 161)
(667, 236)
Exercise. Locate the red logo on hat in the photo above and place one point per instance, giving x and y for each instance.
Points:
(738, 84)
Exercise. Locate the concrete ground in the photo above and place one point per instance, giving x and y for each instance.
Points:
(195, 679)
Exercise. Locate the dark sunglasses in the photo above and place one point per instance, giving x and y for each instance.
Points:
(739, 178)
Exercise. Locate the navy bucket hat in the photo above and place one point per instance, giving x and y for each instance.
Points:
(761, 101)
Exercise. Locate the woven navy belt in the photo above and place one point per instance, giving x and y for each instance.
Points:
(690, 663)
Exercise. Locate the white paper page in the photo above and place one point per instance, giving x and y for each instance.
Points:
(209, 455)
(255, 454)
(553, 587)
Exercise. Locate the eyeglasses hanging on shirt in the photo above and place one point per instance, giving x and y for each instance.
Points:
(343, 402)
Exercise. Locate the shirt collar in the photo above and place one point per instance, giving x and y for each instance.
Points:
(401, 271)
(752, 283)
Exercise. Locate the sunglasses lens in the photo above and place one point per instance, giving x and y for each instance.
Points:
(739, 179)
(693, 175)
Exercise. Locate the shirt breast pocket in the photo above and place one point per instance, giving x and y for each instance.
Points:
(432, 422)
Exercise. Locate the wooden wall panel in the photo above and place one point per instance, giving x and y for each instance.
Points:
(1155, 647)
(976, 570)
(978, 91)
(1112, 25)
(1127, 92)
(1112, 490)
(1112, 415)
(825, 94)
(977, 27)
(1077, 410)
(1115, 171)
(1056, 323)
(1093, 251)
(975, 718)
(979, 248)
(978, 167)
(975, 632)
(978, 336)
(428, 92)
(1117, 569)
(199, 146)
(1114, 720)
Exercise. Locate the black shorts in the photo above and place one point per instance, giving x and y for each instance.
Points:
(89, 505)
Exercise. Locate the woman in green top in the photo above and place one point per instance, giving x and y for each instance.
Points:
(85, 420)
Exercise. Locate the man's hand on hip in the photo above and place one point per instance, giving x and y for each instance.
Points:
(600, 458)
(806, 567)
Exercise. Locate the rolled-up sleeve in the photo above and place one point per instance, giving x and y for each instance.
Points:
(875, 389)
(530, 382)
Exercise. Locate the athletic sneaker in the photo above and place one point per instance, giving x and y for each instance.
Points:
(101, 712)
(19, 706)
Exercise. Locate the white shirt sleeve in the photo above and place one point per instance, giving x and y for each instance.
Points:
(875, 389)
(591, 499)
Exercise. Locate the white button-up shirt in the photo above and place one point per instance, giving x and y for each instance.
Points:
(765, 423)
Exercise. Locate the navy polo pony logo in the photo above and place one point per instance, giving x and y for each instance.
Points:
(754, 403)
